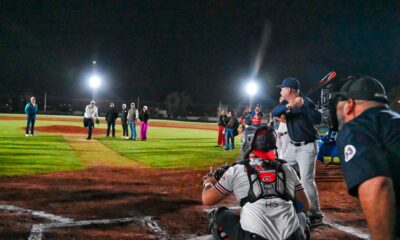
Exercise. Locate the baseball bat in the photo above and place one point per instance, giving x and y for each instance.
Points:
(327, 79)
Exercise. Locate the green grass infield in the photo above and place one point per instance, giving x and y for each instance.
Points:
(166, 147)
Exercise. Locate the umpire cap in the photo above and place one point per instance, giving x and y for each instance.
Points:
(362, 88)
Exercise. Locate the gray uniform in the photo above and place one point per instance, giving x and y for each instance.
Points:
(272, 218)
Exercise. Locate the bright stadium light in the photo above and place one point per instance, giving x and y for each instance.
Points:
(251, 89)
(94, 82)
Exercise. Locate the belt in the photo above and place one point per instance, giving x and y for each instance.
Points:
(256, 237)
(298, 144)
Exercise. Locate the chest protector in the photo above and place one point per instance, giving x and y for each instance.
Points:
(270, 178)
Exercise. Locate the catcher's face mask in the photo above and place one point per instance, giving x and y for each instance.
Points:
(261, 138)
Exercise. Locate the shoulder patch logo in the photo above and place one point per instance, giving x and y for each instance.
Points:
(349, 152)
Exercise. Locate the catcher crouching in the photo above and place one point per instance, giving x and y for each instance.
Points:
(270, 193)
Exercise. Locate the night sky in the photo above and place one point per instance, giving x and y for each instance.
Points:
(206, 49)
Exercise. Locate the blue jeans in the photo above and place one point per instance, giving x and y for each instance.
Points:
(111, 124)
(229, 138)
(132, 125)
(30, 122)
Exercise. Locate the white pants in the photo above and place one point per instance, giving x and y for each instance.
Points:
(282, 143)
(302, 158)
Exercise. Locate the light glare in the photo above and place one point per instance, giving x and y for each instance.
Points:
(251, 88)
(94, 81)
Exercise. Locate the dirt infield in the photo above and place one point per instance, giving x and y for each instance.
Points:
(108, 193)
(64, 129)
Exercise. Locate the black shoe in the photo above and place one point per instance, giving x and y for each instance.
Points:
(88, 138)
(316, 221)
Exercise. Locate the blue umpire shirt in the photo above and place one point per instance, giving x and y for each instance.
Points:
(300, 121)
(369, 146)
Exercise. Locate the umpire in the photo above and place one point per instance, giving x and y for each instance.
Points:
(369, 149)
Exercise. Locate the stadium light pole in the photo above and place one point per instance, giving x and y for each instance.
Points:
(251, 89)
(94, 83)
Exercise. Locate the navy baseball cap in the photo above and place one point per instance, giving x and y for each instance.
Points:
(289, 82)
(362, 88)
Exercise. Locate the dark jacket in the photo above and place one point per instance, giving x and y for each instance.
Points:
(300, 121)
(124, 115)
(111, 115)
(144, 116)
(232, 122)
(221, 120)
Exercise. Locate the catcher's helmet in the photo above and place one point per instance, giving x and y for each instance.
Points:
(260, 137)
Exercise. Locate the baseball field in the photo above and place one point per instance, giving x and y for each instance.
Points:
(58, 185)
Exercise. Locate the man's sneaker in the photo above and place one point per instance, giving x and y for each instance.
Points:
(316, 221)
(26, 135)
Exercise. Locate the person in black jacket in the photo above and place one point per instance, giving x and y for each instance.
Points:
(111, 116)
(144, 118)
(124, 121)
(231, 131)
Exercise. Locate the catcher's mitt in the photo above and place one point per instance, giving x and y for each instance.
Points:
(219, 172)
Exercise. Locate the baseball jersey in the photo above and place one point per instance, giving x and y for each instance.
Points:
(300, 121)
(369, 146)
(272, 218)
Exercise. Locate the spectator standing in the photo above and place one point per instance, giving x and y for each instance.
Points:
(221, 128)
(31, 110)
(258, 115)
(244, 118)
(124, 121)
(90, 117)
(144, 118)
(111, 117)
(132, 116)
(231, 130)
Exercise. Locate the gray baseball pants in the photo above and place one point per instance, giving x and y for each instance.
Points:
(302, 158)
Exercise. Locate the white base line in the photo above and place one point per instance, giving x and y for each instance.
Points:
(38, 229)
(61, 222)
(349, 230)
(208, 210)
(206, 237)
(40, 214)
